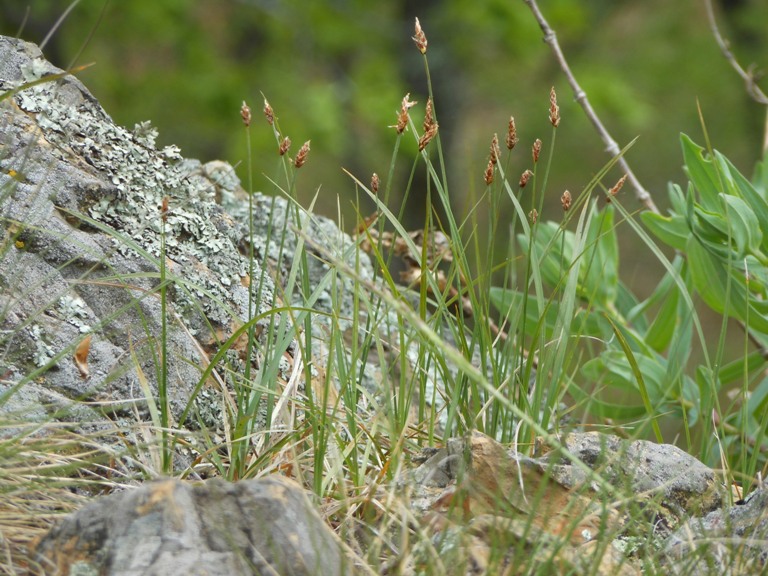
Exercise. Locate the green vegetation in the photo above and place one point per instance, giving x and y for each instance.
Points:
(521, 338)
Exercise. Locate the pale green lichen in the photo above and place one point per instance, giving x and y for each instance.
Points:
(73, 310)
(196, 234)
(43, 353)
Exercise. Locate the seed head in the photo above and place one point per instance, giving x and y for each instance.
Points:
(616, 187)
(402, 117)
(375, 183)
(536, 150)
(419, 38)
(164, 209)
(495, 152)
(429, 119)
(245, 114)
(525, 177)
(533, 215)
(428, 135)
(269, 114)
(511, 134)
(565, 200)
(301, 157)
(554, 109)
(489, 173)
(285, 145)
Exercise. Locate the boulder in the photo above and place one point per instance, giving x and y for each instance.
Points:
(170, 528)
(84, 237)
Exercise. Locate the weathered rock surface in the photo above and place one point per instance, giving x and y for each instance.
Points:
(170, 528)
(83, 225)
(650, 501)
(731, 540)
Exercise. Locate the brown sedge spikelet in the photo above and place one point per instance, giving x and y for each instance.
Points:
(554, 109)
(269, 114)
(430, 127)
(402, 117)
(525, 177)
(164, 209)
(428, 135)
(566, 200)
(616, 187)
(420, 38)
(536, 150)
(533, 215)
(375, 183)
(245, 114)
(285, 145)
(301, 157)
(489, 173)
(495, 151)
(429, 118)
(511, 139)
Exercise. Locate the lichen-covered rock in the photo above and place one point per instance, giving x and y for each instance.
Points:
(731, 540)
(171, 528)
(84, 230)
(662, 472)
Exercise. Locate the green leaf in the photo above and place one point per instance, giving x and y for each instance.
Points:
(510, 304)
(637, 372)
(601, 261)
(745, 227)
(662, 328)
(702, 173)
(672, 230)
(755, 200)
(710, 277)
(760, 177)
(735, 371)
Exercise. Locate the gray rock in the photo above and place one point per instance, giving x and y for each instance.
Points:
(171, 528)
(661, 472)
(731, 540)
(83, 225)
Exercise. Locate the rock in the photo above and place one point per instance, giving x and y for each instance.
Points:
(170, 528)
(657, 472)
(474, 494)
(83, 225)
(731, 540)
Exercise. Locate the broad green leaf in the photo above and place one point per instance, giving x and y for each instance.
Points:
(710, 277)
(702, 173)
(756, 201)
(604, 409)
(672, 230)
(760, 177)
(612, 369)
(548, 244)
(745, 228)
(735, 371)
(662, 328)
(510, 304)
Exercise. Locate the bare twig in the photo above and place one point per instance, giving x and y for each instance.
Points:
(749, 76)
(581, 97)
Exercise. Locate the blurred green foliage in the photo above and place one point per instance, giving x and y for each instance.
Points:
(336, 70)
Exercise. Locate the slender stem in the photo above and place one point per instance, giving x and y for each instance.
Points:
(581, 97)
(748, 76)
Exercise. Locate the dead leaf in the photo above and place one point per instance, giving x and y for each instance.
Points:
(81, 357)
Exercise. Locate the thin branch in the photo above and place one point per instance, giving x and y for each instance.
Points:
(581, 97)
(749, 76)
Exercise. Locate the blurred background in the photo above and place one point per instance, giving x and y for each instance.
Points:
(335, 72)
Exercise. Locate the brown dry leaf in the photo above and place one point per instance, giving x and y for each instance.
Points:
(81, 357)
